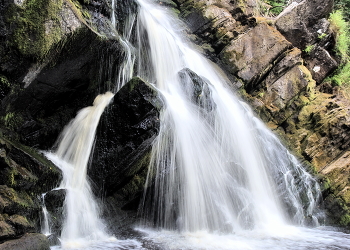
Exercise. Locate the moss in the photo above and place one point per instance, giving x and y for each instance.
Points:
(4, 81)
(31, 36)
(12, 120)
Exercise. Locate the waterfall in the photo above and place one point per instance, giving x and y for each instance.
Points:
(215, 166)
(217, 179)
(72, 156)
(45, 222)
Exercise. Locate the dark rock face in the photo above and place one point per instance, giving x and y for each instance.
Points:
(197, 89)
(24, 175)
(124, 138)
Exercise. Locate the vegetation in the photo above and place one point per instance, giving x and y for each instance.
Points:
(309, 48)
(273, 7)
(341, 28)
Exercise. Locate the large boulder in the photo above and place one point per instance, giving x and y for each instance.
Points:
(27, 242)
(124, 139)
(253, 54)
(297, 22)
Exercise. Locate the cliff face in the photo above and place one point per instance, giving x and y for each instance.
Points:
(56, 56)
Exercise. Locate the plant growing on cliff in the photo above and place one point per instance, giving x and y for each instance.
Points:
(273, 7)
(341, 28)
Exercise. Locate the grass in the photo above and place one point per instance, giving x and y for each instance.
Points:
(341, 28)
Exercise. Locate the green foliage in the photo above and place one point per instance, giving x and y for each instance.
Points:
(341, 28)
(343, 5)
(309, 48)
(274, 7)
(342, 75)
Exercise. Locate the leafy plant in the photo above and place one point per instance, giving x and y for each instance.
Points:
(309, 48)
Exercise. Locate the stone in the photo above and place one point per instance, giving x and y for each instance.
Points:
(21, 224)
(27, 242)
(6, 231)
(124, 136)
(252, 55)
(296, 24)
(286, 87)
(321, 64)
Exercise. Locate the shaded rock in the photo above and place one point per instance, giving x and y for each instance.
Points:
(27, 242)
(54, 201)
(21, 224)
(13, 202)
(124, 138)
(197, 89)
(320, 63)
(280, 92)
(252, 55)
(296, 23)
(6, 231)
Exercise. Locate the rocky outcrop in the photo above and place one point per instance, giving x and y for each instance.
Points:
(124, 138)
(24, 176)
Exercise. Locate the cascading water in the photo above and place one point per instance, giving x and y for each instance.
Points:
(218, 178)
(82, 226)
(210, 171)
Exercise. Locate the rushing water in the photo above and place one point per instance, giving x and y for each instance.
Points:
(218, 178)
(82, 227)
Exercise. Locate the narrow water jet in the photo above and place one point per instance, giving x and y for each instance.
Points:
(82, 220)
(46, 220)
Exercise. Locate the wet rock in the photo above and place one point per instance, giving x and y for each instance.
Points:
(54, 201)
(27, 242)
(124, 139)
(197, 89)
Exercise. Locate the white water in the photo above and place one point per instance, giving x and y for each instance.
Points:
(82, 227)
(220, 178)
(212, 171)
(45, 223)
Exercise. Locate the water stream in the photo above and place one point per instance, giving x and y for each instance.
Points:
(219, 178)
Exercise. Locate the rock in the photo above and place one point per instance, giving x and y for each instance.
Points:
(27, 242)
(14, 202)
(6, 231)
(252, 55)
(285, 88)
(320, 63)
(21, 224)
(124, 138)
(197, 89)
(297, 23)
(54, 201)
